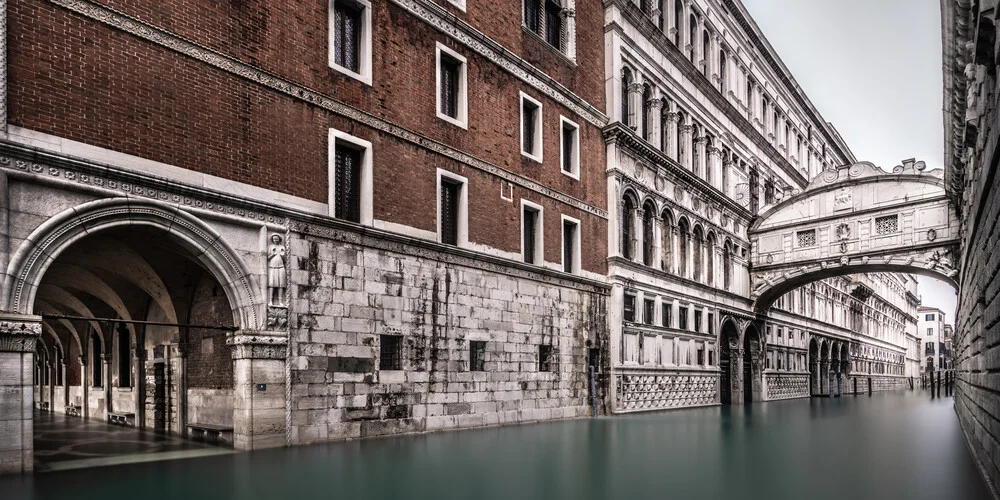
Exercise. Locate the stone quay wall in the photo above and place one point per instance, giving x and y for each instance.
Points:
(345, 297)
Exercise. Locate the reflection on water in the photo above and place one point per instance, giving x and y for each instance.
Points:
(889, 446)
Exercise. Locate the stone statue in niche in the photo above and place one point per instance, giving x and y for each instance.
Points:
(277, 277)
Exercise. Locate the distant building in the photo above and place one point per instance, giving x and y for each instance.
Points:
(932, 331)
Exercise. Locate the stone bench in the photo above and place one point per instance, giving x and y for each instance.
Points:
(74, 411)
(126, 419)
(211, 433)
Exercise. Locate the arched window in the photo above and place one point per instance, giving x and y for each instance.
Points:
(667, 243)
(723, 71)
(685, 241)
(698, 253)
(681, 147)
(692, 36)
(647, 95)
(628, 211)
(710, 262)
(648, 211)
(664, 123)
(626, 83)
(727, 265)
(705, 53)
(678, 16)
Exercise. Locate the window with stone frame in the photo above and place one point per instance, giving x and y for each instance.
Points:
(350, 38)
(531, 238)
(450, 196)
(545, 358)
(551, 21)
(628, 309)
(697, 320)
(347, 181)
(887, 224)
(667, 314)
(648, 311)
(452, 82)
(569, 154)
(531, 127)
(477, 355)
(682, 318)
(390, 352)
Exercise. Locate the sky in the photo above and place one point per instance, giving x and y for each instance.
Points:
(873, 69)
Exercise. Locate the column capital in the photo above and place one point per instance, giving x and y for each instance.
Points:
(248, 344)
(19, 332)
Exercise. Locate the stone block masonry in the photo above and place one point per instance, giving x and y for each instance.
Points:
(347, 299)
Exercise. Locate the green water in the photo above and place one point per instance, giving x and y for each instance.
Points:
(888, 446)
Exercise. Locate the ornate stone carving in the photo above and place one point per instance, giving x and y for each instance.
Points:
(642, 391)
(257, 345)
(19, 333)
(277, 273)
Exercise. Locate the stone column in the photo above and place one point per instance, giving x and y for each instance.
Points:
(182, 406)
(699, 44)
(670, 26)
(637, 235)
(655, 127)
(657, 242)
(815, 389)
(714, 166)
(687, 132)
(682, 26)
(715, 71)
(139, 382)
(52, 367)
(18, 335)
(259, 397)
(635, 103)
(672, 142)
(106, 370)
(824, 377)
(84, 385)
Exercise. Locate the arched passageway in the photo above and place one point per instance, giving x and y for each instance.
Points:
(729, 365)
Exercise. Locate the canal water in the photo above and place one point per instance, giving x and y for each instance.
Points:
(887, 446)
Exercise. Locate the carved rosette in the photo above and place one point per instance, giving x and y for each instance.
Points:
(19, 333)
(258, 345)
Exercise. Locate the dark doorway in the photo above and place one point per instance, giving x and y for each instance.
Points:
(748, 367)
(728, 334)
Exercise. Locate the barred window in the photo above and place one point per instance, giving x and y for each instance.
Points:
(390, 352)
(887, 225)
(450, 193)
(477, 356)
(806, 238)
(450, 73)
(347, 35)
(545, 358)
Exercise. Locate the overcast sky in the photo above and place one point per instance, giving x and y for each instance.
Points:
(873, 69)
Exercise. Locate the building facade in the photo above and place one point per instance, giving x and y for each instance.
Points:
(301, 222)
(935, 339)
(970, 126)
(708, 129)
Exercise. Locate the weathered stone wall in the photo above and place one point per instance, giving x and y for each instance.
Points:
(344, 296)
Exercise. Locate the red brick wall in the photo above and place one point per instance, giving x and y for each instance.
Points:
(209, 363)
(79, 79)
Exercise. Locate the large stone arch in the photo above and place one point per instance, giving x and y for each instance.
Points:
(31, 260)
(855, 219)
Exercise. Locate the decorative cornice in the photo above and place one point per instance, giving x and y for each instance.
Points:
(617, 133)
(462, 32)
(257, 75)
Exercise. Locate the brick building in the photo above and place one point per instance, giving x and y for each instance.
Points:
(391, 215)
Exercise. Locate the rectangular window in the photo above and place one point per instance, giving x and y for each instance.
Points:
(682, 318)
(711, 324)
(545, 358)
(701, 356)
(350, 38)
(571, 244)
(96, 370)
(667, 316)
(697, 320)
(124, 357)
(349, 177)
(553, 24)
(930, 331)
(711, 357)
(532, 15)
(531, 242)
(453, 215)
(452, 101)
(531, 128)
(887, 225)
(477, 356)
(781, 332)
(390, 352)
(628, 311)
(648, 311)
(806, 238)
(570, 149)
(929, 317)
(347, 197)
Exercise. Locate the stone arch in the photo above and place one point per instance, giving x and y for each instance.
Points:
(35, 255)
(730, 362)
(753, 359)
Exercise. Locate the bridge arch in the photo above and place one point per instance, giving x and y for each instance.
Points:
(855, 219)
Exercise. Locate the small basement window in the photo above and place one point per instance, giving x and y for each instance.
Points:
(545, 358)
(390, 352)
